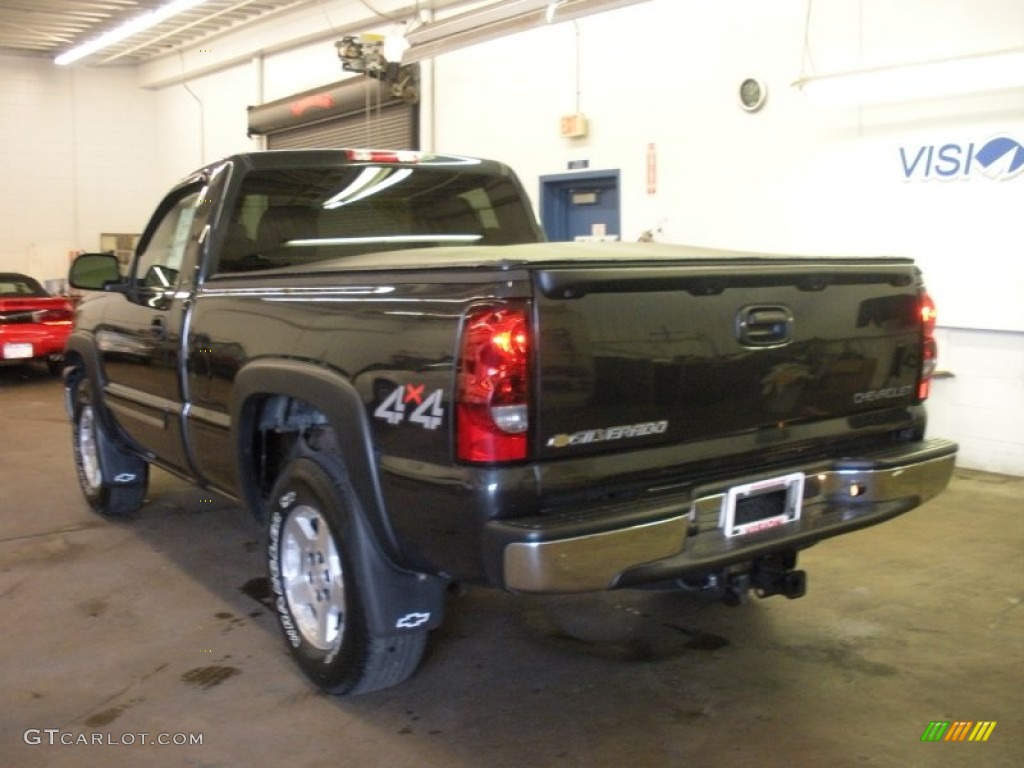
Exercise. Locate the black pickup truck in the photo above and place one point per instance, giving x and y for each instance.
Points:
(378, 354)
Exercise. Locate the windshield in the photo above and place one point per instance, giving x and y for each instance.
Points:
(287, 218)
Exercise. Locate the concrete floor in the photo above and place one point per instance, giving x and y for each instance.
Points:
(155, 626)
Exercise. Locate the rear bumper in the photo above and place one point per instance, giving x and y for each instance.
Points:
(46, 341)
(618, 545)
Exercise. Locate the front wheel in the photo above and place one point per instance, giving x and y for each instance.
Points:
(111, 490)
(316, 584)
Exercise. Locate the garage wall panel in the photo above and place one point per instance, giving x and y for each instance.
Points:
(979, 406)
(79, 151)
(202, 122)
(36, 194)
(301, 69)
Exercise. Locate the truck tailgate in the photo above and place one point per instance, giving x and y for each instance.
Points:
(650, 354)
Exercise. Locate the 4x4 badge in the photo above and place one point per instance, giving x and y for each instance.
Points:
(429, 412)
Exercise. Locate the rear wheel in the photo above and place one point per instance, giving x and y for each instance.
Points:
(115, 491)
(315, 583)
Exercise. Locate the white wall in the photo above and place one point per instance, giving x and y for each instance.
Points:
(201, 121)
(981, 406)
(78, 150)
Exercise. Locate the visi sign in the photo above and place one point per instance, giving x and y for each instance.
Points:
(1000, 158)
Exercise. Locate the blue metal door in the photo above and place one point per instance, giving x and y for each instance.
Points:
(581, 206)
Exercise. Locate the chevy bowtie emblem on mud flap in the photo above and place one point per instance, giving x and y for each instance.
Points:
(412, 620)
(125, 477)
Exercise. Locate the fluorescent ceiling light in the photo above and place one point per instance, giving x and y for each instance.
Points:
(126, 30)
(912, 82)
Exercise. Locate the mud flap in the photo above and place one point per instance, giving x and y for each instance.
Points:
(121, 467)
(395, 601)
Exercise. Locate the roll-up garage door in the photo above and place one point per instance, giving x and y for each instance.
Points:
(358, 112)
(387, 128)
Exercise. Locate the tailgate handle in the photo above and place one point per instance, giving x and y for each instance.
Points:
(764, 325)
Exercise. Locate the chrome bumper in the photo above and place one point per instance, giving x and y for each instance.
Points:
(839, 496)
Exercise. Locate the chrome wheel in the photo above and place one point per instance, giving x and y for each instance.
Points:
(88, 449)
(318, 560)
(312, 578)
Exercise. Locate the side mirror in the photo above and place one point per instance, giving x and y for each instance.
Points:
(94, 272)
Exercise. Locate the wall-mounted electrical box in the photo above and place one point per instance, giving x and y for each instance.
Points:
(574, 126)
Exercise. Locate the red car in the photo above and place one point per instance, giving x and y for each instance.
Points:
(33, 324)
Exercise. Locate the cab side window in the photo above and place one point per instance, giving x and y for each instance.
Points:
(159, 263)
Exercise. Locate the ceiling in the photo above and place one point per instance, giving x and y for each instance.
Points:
(46, 28)
(50, 27)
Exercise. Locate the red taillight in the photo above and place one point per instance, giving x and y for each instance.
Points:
(929, 349)
(492, 402)
(53, 316)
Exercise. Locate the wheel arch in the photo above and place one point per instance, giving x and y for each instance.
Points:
(330, 394)
(83, 364)
(390, 591)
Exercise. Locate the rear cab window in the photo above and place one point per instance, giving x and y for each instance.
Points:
(285, 219)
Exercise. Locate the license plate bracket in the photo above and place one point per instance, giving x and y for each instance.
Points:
(763, 505)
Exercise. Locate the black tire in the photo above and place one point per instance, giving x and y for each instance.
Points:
(316, 584)
(115, 495)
